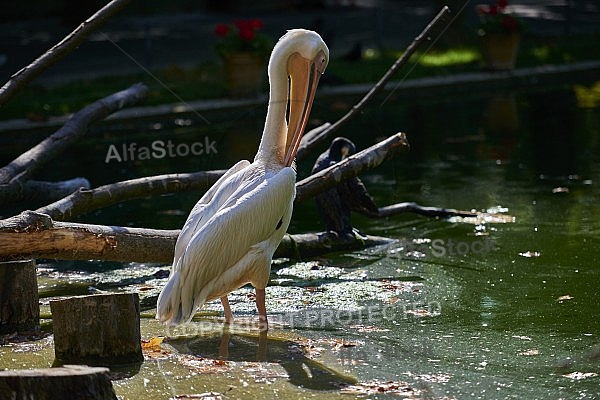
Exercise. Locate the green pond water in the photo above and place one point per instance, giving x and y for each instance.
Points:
(448, 309)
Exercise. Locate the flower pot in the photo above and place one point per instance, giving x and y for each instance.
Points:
(500, 50)
(245, 73)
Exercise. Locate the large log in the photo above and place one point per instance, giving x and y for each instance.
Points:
(35, 235)
(68, 382)
(19, 308)
(97, 329)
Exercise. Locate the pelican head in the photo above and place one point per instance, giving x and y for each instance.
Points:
(297, 62)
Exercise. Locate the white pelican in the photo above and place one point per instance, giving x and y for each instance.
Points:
(232, 232)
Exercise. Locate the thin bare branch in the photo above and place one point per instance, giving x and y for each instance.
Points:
(24, 166)
(350, 167)
(324, 132)
(475, 217)
(56, 53)
(84, 201)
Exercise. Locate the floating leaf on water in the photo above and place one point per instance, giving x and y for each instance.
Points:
(530, 254)
(580, 375)
(152, 343)
(565, 297)
(419, 312)
(560, 190)
(531, 352)
(375, 387)
(152, 349)
(521, 337)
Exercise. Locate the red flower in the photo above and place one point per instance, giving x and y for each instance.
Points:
(257, 24)
(247, 34)
(221, 30)
(242, 24)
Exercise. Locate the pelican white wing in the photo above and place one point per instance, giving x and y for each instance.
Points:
(201, 212)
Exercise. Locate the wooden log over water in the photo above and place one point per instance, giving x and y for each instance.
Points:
(98, 329)
(313, 244)
(68, 382)
(19, 308)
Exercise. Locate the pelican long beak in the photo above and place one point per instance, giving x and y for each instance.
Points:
(304, 76)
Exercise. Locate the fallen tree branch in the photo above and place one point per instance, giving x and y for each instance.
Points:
(350, 167)
(470, 217)
(325, 131)
(56, 53)
(83, 201)
(32, 160)
(35, 235)
(42, 192)
(438, 212)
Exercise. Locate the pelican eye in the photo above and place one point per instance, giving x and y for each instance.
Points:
(279, 223)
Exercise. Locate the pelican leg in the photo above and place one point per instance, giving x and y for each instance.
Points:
(263, 323)
(226, 309)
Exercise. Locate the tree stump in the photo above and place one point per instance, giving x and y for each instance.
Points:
(68, 382)
(19, 301)
(98, 329)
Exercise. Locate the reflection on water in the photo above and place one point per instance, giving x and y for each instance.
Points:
(517, 322)
(300, 370)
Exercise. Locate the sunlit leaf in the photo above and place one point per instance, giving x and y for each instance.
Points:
(529, 254)
(152, 343)
(531, 352)
(580, 375)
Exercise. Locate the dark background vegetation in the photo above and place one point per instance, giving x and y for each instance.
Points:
(558, 32)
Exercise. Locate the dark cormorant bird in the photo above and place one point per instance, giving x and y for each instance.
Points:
(336, 204)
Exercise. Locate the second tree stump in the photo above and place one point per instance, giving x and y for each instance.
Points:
(98, 329)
